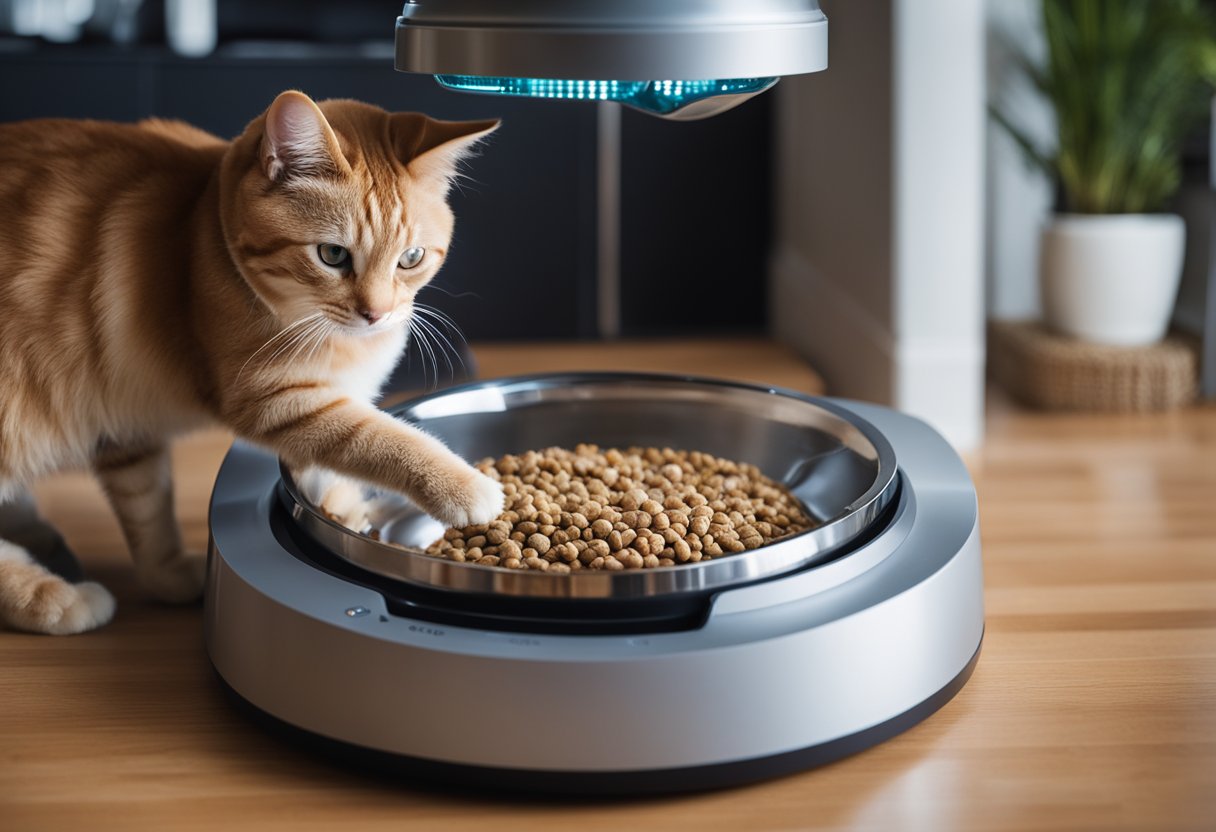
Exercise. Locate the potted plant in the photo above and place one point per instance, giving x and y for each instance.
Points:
(1128, 80)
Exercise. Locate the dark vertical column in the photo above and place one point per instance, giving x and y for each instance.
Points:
(696, 222)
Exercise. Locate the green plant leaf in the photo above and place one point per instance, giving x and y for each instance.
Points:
(1127, 80)
(1034, 156)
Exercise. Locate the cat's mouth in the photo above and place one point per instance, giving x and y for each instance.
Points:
(362, 328)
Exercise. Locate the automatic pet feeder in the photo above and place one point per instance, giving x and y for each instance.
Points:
(690, 677)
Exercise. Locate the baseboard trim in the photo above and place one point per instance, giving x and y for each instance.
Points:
(940, 380)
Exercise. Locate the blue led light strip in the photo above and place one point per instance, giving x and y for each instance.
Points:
(658, 97)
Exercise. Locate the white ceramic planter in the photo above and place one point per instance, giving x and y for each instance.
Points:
(1111, 278)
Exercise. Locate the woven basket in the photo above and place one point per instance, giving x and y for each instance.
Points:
(1055, 372)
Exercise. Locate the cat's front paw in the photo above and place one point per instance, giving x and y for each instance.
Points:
(470, 500)
(58, 608)
(345, 502)
(176, 581)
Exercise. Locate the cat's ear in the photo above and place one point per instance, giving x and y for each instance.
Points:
(432, 149)
(298, 141)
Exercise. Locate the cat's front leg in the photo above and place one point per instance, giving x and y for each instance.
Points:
(139, 484)
(323, 427)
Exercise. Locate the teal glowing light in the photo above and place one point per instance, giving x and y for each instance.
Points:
(659, 97)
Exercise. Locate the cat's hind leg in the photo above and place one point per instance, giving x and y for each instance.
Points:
(139, 485)
(36, 600)
(21, 524)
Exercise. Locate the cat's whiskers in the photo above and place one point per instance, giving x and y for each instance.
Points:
(308, 344)
(288, 344)
(426, 334)
(441, 343)
(451, 294)
(448, 324)
(414, 337)
(442, 317)
(307, 319)
(446, 346)
(290, 350)
(427, 353)
(318, 339)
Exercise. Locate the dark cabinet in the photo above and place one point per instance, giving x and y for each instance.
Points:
(694, 214)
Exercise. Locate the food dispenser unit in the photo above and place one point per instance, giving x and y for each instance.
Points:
(676, 59)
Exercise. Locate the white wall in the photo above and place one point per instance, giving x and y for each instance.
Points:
(832, 265)
(1019, 197)
(878, 271)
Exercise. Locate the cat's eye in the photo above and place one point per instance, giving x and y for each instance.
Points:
(412, 257)
(332, 255)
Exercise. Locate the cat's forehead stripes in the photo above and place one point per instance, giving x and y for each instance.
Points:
(383, 220)
(319, 202)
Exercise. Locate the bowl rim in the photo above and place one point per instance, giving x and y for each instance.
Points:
(414, 567)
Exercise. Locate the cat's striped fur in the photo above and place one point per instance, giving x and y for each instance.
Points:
(156, 278)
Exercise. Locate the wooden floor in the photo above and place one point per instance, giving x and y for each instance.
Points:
(1093, 706)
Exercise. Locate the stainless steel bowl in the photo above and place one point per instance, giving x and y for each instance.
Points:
(838, 465)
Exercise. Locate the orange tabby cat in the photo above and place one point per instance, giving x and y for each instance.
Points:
(157, 278)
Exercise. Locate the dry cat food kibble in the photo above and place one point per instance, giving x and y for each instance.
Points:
(634, 509)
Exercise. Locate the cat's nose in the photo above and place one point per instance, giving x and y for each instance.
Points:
(371, 316)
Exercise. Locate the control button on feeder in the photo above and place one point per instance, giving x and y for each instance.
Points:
(357, 612)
